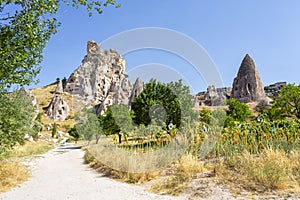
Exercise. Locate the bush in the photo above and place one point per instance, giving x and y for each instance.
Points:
(16, 115)
(205, 115)
(54, 130)
(236, 112)
(287, 104)
(74, 133)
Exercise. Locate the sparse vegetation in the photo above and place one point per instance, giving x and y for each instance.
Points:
(266, 171)
(185, 169)
(12, 172)
(28, 149)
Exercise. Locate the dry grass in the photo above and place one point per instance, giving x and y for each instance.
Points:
(270, 170)
(135, 178)
(28, 149)
(185, 169)
(133, 166)
(44, 96)
(135, 161)
(12, 174)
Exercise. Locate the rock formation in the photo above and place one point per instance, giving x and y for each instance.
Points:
(247, 86)
(59, 88)
(214, 96)
(58, 109)
(33, 100)
(101, 79)
(138, 87)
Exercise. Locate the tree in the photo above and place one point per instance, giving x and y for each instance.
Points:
(24, 33)
(91, 128)
(117, 118)
(54, 130)
(157, 100)
(236, 111)
(185, 98)
(287, 104)
(74, 133)
(16, 119)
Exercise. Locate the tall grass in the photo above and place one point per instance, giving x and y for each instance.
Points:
(135, 161)
(266, 171)
(185, 169)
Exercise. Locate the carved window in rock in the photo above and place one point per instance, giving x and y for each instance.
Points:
(72, 79)
(249, 88)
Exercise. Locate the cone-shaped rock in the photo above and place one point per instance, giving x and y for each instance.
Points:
(58, 110)
(247, 86)
(136, 90)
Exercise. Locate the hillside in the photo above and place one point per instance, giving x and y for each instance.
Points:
(44, 96)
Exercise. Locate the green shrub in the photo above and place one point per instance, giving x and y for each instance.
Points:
(54, 130)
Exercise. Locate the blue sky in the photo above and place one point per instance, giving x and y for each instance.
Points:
(268, 30)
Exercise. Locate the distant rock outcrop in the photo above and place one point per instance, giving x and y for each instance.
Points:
(137, 88)
(247, 86)
(214, 96)
(59, 88)
(100, 79)
(58, 109)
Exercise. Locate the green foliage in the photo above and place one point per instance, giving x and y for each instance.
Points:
(184, 96)
(16, 117)
(54, 130)
(164, 103)
(90, 128)
(218, 117)
(74, 133)
(236, 112)
(37, 127)
(254, 137)
(115, 119)
(39, 117)
(287, 104)
(205, 115)
(24, 33)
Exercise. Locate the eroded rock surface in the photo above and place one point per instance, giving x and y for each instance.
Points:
(137, 88)
(59, 88)
(247, 86)
(101, 79)
(214, 96)
(58, 109)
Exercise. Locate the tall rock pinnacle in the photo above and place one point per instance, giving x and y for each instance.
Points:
(247, 86)
(101, 79)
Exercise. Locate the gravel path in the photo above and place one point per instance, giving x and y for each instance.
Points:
(60, 174)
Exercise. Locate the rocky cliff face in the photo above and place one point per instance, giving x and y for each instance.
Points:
(214, 96)
(101, 79)
(247, 86)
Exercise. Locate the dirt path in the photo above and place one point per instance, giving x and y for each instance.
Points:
(60, 174)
